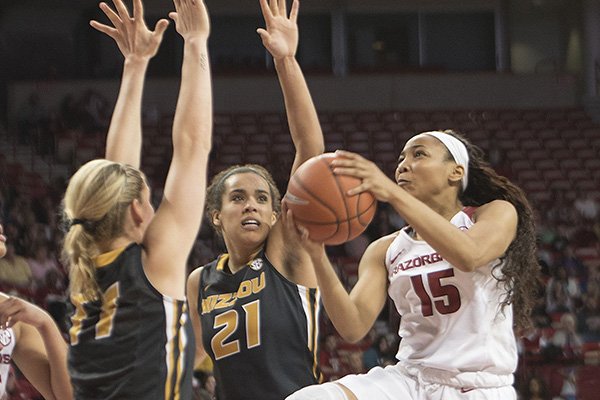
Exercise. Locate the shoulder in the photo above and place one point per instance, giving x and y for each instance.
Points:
(378, 248)
(494, 209)
(193, 280)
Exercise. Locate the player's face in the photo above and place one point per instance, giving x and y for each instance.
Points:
(2, 242)
(246, 208)
(423, 167)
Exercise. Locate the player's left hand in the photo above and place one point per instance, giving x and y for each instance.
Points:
(14, 310)
(280, 37)
(296, 233)
(373, 179)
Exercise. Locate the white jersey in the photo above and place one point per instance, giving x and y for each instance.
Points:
(7, 345)
(451, 320)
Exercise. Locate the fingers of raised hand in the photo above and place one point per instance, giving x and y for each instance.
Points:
(294, 11)
(122, 10)
(138, 10)
(112, 16)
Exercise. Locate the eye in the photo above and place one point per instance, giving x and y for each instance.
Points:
(237, 197)
(419, 153)
(263, 198)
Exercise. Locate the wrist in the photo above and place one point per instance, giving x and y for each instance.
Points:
(136, 62)
(284, 61)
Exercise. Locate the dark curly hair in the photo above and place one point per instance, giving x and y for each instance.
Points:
(521, 272)
(214, 192)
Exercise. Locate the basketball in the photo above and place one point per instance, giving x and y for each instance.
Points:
(318, 200)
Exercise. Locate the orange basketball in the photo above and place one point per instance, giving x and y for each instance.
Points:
(318, 200)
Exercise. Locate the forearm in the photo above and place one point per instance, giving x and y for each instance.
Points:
(451, 243)
(56, 350)
(302, 116)
(193, 117)
(342, 311)
(124, 140)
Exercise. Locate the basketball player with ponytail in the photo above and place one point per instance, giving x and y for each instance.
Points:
(462, 275)
(256, 308)
(131, 336)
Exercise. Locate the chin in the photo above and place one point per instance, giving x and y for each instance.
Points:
(2, 250)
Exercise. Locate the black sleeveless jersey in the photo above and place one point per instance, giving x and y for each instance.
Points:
(135, 343)
(260, 330)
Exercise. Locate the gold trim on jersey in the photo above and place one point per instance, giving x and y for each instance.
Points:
(176, 318)
(222, 261)
(104, 259)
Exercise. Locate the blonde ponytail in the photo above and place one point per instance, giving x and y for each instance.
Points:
(94, 210)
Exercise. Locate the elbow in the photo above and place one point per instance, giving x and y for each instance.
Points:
(353, 335)
(469, 263)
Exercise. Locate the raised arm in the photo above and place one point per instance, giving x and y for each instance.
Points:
(138, 45)
(172, 232)
(40, 351)
(495, 222)
(280, 38)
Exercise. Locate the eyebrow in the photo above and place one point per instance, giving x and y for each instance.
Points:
(410, 148)
(260, 191)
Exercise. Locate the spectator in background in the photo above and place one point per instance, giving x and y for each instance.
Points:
(588, 319)
(535, 389)
(561, 292)
(380, 353)
(586, 205)
(330, 359)
(14, 270)
(567, 339)
(43, 265)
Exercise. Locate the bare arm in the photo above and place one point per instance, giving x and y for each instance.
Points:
(280, 38)
(172, 232)
(138, 45)
(352, 314)
(494, 229)
(193, 289)
(40, 351)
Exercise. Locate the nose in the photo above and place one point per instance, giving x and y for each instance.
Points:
(250, 205)
(401, 168)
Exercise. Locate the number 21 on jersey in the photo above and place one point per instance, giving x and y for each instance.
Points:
(228, 322)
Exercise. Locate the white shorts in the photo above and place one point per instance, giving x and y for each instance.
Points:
(399, 382)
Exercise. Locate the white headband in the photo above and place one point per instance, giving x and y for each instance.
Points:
(457, 149)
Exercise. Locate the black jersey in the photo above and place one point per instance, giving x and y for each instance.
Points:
(135, 343)
(260, 329)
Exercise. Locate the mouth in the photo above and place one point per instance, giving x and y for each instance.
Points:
(2, 238)
(250, 223)
(402, 182)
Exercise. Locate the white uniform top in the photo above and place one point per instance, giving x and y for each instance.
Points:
(7, 345)
(451, 319)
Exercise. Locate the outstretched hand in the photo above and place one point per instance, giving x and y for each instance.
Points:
(373, 179)
(280, 37)
(191, 18)
(132, 35)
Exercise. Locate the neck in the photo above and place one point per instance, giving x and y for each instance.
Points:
(447, 208)
(239, 258)
(121, 241)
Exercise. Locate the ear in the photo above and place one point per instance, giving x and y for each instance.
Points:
(136, 211)
(274, 217)
(216, 218)
(457, 173)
